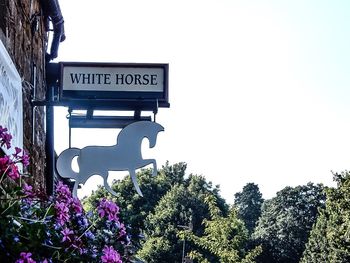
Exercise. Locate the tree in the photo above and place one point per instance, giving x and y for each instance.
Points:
(223, 240)
(330, 237)
(286, 221)
(248, 204)
(134, 208)
(317, 247)
(182, 206)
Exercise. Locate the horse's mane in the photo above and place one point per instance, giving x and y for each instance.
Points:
(135, 128)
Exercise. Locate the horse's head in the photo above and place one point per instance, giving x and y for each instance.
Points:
(141, 129)
(152, 131)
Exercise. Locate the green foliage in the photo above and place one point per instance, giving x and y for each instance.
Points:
(169, 200)
(156, 250)
(248, 204)
(223, 240)
(330, 237)
(134, 208)
(286, 221)
(317, 248)
(183, 205)
(161, 227)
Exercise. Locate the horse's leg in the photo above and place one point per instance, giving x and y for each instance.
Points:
(108, 188)
(152, 161)
(75, 188)
(134, 180)
(155, 170)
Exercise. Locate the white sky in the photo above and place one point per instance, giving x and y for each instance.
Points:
(259, 90)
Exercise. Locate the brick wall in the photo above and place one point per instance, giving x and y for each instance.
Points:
(22, 33)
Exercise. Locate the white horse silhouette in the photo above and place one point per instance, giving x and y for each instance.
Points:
(124, 156)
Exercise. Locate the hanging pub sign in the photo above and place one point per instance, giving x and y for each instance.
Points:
(108, 82)
(124, 156)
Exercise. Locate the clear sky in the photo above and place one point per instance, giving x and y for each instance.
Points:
(259, 90)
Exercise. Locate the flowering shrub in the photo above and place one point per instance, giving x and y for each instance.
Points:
(36, 228)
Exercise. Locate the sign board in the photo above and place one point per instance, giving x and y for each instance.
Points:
(11, 107)
(114, 81)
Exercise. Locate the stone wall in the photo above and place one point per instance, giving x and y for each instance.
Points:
(22, 33)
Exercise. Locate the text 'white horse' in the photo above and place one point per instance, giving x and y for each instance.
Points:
(124, 156)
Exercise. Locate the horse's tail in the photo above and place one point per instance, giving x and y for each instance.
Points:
(64, 163)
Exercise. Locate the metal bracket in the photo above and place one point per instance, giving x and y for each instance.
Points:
(69, 128)
(155, 111)
(88, 120)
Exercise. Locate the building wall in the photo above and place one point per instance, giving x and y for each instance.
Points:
(22, 33)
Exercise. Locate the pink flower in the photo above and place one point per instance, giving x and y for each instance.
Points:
(76, 205)
(13, 172)
(62, 212)
(62, 191)
(122, 230)
(5, 138)
(110, 255)
(9, 167)
(78, 244)
(17, 151)
(67, 233)
(25, 158)
(4, 163)
(27, 190)
(25, 257)
(110, 209)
